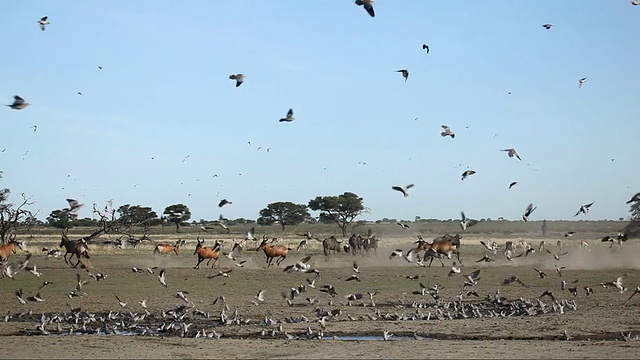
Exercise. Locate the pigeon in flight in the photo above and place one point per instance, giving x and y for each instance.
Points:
(224, 202)
(547, 26)
(465, 222)
(43, 22)
(403, 189)
(581, 81)
(18, 103)
(405, 74)
(512, 152)
(447, 132)
(584, 209)
(513, 184)
(74, 205)
(289, 117)
(425, 47)
(368, 5)
(527, 212)
(239, 78)
(467, 173)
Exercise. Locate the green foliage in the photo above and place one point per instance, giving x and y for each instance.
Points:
(61, 219)
(137, 215)
(283, 213)
(635, 211)
(341, 209)
(177, 214)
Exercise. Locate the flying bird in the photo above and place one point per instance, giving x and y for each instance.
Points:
(447, 132)
(635, 197)
(239, 78)
(635, 2)
(404, 189)
(425, 47)
(467, 173)
(514, 183)
(584, 209)
(43, 22)
(547, 26)
(18, 103)
(224, 202)
(465, 222)
(570, 233)
(530, 208)
(74, 205)
(368, 5)
(512, 152)
(405, 74)
(455, 269)
(162, 278)
(404, 226)
(289, 117)
(260, 296)
(581, 81)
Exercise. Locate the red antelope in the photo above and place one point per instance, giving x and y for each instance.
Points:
(10, 248)
(207, 253)
(78, 248)
(165, 248)
(445, 245)
(272, 251)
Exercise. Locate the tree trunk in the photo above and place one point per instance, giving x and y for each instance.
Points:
(282, 225)
(177, 227)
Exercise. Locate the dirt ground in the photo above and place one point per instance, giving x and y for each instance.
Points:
(594, 328)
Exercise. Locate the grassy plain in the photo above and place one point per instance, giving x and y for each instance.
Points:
(594, 328)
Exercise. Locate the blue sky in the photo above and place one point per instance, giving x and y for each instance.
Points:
(164, 94)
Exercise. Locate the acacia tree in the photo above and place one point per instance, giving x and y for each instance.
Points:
(177, 214)
(61, 219)
(341, 209)
(283, 213)
(137, 215)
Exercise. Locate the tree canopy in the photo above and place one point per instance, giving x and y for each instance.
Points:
(61, 219)
(341, 209)
(137, 215)
(177, 214)
(283, 213)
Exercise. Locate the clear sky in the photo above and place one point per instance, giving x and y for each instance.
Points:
(493, 74)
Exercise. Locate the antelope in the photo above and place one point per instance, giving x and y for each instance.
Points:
(74, 247)
(272, 251)
(10, 248)
(445, 245)
(165, 248)
(207, 253)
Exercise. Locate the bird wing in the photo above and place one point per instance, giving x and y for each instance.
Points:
(290, 113)
(409, 186)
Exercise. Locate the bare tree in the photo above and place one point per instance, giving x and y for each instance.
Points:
(12, 216)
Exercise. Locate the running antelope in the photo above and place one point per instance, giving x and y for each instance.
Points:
(10, 248)
(445, 245)
(78, 248)
(165, 248)
(207, 253)
(272, 251)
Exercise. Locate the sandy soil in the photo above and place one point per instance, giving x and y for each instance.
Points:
(594, 328)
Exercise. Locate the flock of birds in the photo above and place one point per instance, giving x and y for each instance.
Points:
(187, 320)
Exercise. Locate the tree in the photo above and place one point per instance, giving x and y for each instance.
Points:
(137, 215)
(12, 216)
(341, 209)
(283, 213)
(177, 214)
(61, 219)
(633, 227)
